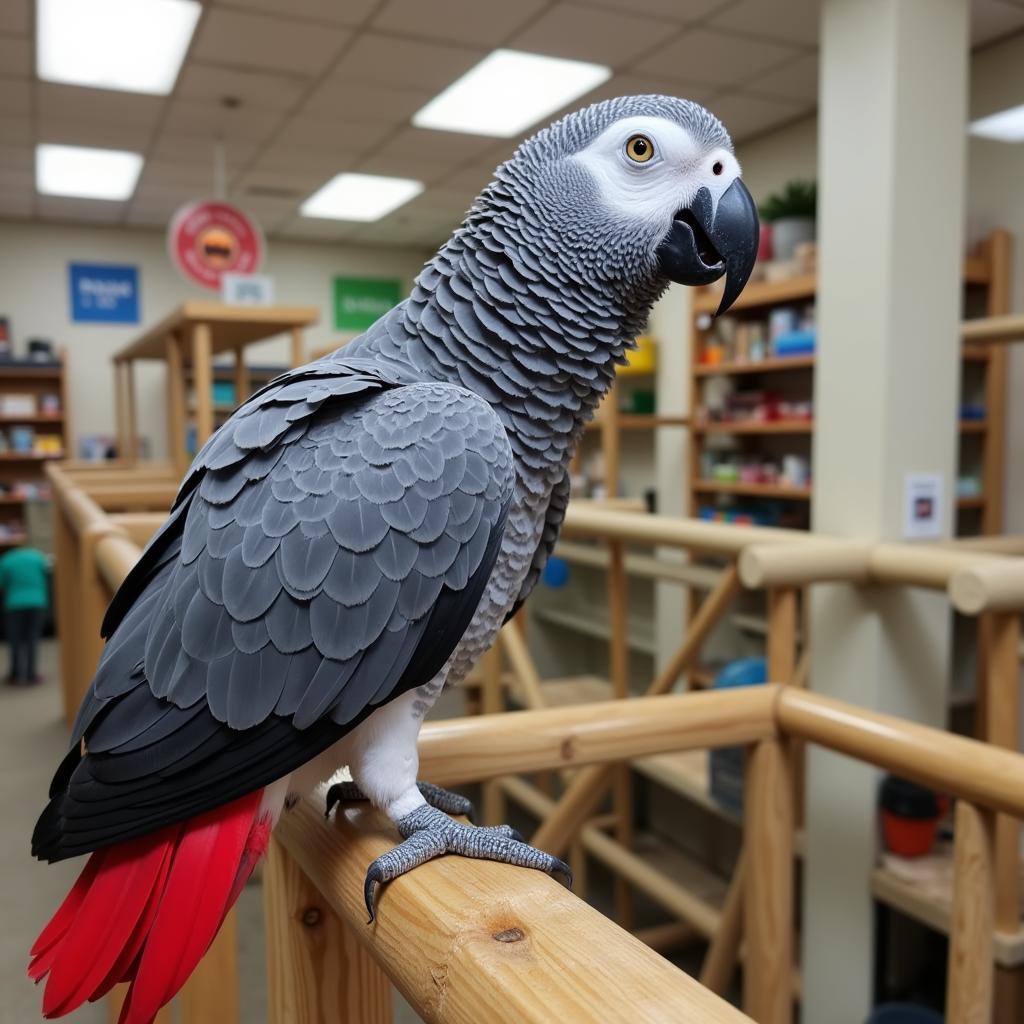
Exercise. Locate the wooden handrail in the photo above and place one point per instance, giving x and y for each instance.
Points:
(467, 941)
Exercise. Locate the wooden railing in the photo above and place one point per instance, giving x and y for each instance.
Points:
(584, 743)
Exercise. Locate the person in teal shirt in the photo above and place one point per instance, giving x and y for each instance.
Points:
(24, 580)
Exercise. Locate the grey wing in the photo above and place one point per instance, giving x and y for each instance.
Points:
(553, 520)
(311, 581)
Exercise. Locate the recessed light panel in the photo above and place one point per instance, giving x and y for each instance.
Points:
(362, 197)
(86, 173)
(509, 91)
(131, 45)
(1006, 126)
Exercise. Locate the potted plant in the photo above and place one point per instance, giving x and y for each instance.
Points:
(791, 214)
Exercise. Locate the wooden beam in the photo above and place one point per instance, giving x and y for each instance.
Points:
(317, 969)
(211, 992)
(202, 377)
(471, 940)
(724, 948)
(969, 979)
(493, 703)
(176, 410)
(768, 883)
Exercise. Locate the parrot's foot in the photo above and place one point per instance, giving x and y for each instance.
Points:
(442, 799)
(429, 833)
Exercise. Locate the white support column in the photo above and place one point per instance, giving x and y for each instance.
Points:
(891, 176)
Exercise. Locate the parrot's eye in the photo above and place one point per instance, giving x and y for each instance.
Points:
(639, 149)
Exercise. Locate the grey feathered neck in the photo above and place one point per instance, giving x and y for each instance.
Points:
(537, 296)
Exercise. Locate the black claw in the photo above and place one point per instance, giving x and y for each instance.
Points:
(560, 867)
(374, 876)
(515, 834)
(332, 799)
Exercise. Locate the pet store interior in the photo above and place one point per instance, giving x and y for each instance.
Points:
(762, 483)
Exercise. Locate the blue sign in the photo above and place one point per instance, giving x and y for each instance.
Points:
(104, 293)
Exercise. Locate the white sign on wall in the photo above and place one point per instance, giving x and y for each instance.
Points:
(247, 289)
(922, 506)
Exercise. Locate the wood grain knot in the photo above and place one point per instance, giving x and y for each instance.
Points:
(509, 935)
(311, 917)
(567, 749)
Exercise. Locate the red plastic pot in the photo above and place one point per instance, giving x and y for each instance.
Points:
(908, 837)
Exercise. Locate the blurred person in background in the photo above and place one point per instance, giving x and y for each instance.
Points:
(24, 582)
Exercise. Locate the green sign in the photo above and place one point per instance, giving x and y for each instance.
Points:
(359, 301)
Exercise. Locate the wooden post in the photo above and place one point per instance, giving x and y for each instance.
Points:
(211, 993)
(243, 385)
(317, 971)
(298, 354)
(493, 700)
(969, 976)
(65, 570)
(768, 883)
(1001, 729)
(724, 949)
(131, 434)
(618, 649)
(120, 410)
(116, 999)
(610, 438)
(999, 253)
(176, 450)
(202, 375)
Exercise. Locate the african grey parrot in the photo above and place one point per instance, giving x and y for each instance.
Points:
(352, 539)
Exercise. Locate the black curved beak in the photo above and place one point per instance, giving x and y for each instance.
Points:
(705, 243)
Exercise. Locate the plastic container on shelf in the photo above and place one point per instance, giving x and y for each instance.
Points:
(910, 817)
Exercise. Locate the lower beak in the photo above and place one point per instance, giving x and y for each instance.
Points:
(706, 242)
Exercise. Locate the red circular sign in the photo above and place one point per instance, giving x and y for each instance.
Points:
(208, 239)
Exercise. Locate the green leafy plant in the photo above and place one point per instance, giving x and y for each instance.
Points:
(797, 199)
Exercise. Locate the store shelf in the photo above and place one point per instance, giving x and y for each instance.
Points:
(922, 888)
(973, 426)
(773, 365)
(595, 625)
(12, 499)
(757, 427)
(31, 370)
(783, 491)
(975, 502)
(639, 421)
(13, 541)
(759, 294)
(32, 419)
(30, 456)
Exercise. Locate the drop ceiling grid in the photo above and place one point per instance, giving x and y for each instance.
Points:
(327, 86)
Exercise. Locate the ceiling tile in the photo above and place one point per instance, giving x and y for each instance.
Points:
(472, 179)
(744, 115)
(15, 204)
(16, 131)
(427, 171)
(254, 89)
(199, 150)
(415, 144)
(17, 179)
(92, 210)
(102, 134)
(67, 102)
(715, 57)
(16, 156)
(270, 214)
(680, 11)
(790, 21)
(290, 163)
(992, 19)
(213, 120)
(15, 97)
(15, 17)
(392, 61)
(332, 134)
(15, 54)
(589, 33)
(240, 39)
(637, 85)
(461, 21)
(795, 80)
(358, 101)
(171, 178)
(339, 12)
(150, 214)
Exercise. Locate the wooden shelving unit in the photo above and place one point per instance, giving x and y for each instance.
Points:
(986, 286)
(22, 476)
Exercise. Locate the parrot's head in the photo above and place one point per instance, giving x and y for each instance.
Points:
(643, 190)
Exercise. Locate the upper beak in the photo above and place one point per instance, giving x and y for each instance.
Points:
(706, 242)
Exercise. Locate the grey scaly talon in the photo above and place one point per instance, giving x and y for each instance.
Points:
(429, 832)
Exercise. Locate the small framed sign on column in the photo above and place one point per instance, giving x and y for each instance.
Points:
(104, 293)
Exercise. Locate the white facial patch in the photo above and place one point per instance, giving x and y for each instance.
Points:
(655, 190)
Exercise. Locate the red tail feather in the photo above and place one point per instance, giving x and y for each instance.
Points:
(147, 910)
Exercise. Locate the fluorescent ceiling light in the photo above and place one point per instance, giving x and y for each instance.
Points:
(509, 91)
(132, 45)
(86, 173)
(360, 197)
(1006, 126)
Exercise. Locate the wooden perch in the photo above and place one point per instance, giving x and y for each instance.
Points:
(468, 941)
